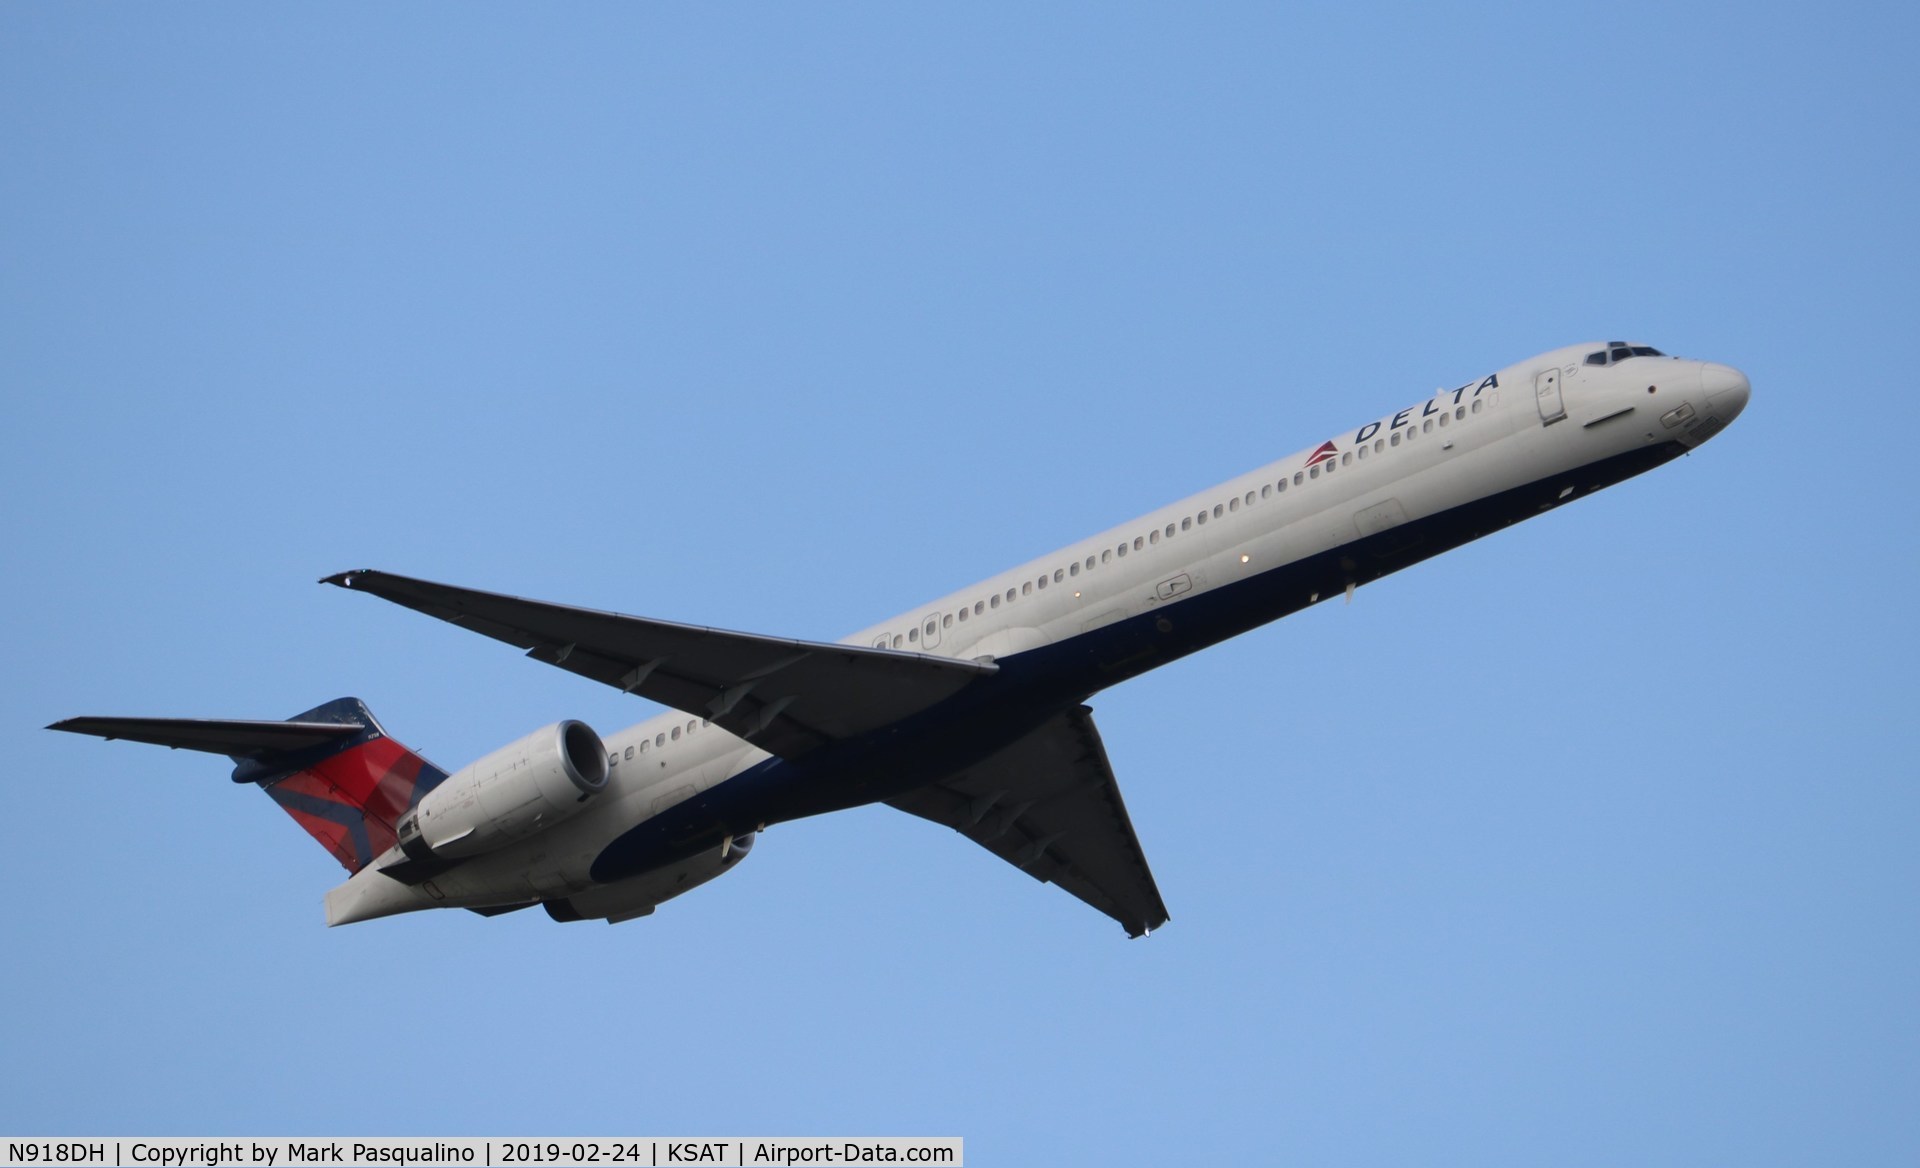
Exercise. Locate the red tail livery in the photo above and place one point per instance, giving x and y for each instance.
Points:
(332, 768)
(352, 796)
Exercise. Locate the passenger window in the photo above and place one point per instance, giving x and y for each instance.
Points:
(1249, 499)
(659, 739)
(1058, 575)
(1281, 485)
(1169, 531)
(1297, 478)
(1073, 569)
(1427, 425)
(913, 635)
(1379, 444)
(1331, 464)
(1445, 418)
(1266, 489)
(1203, 517)
(1027, 588)
(1136, 543)
(676, 733)
(1216, 510)
(965, 613)
(994, 600)
(1476, 405)
(692, 726)
(979, 606)
(1043, 581)
(1347, 459)
(880, 642)
(1233, 504)
(629, 753)
(1396, 439)
(613, 760)
(644, 743)
(1363, 452)
(899, 641)
(1313, 472)
(1186, 525)
(1459, 413)
(1122, 550)
(946, 622)
(1153, 536)
(1009, 596)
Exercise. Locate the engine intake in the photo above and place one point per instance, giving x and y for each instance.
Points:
(544, 778)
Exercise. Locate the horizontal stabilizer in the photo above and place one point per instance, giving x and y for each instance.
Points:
(234, 739)
(332, 768)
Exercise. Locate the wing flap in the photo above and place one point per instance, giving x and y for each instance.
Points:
(1050, 806)
(787, 696)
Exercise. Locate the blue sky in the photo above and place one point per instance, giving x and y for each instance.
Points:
(1591, 843)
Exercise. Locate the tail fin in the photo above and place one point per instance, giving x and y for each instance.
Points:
(332, 768)
(349, 794)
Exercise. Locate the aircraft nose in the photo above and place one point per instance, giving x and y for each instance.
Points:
(1726, 390)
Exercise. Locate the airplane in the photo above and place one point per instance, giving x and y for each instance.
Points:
(969, 710)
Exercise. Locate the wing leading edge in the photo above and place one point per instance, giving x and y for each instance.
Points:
(787, 697)
(1049, 805)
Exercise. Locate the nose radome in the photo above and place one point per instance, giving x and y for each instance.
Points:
(1726, 390)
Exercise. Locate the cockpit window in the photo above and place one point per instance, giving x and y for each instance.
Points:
(1617, 351)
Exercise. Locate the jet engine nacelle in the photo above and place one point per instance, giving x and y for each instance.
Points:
(544, 778)
(637, 896)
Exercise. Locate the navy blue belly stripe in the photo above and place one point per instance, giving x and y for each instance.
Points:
(1032, 687)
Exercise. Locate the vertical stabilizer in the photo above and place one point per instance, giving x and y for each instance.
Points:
(350, 793)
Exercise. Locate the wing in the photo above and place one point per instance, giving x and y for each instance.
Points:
(788, 697)
(1049, 806)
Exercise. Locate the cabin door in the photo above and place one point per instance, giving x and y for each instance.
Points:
(1546, 391)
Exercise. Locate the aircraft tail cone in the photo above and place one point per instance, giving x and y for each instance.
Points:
(369, 894)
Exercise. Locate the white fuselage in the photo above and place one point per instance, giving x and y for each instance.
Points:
(1520, 427)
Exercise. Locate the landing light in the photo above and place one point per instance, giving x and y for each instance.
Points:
(1244, 559)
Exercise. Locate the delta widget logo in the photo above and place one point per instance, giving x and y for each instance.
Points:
(1327, 450)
